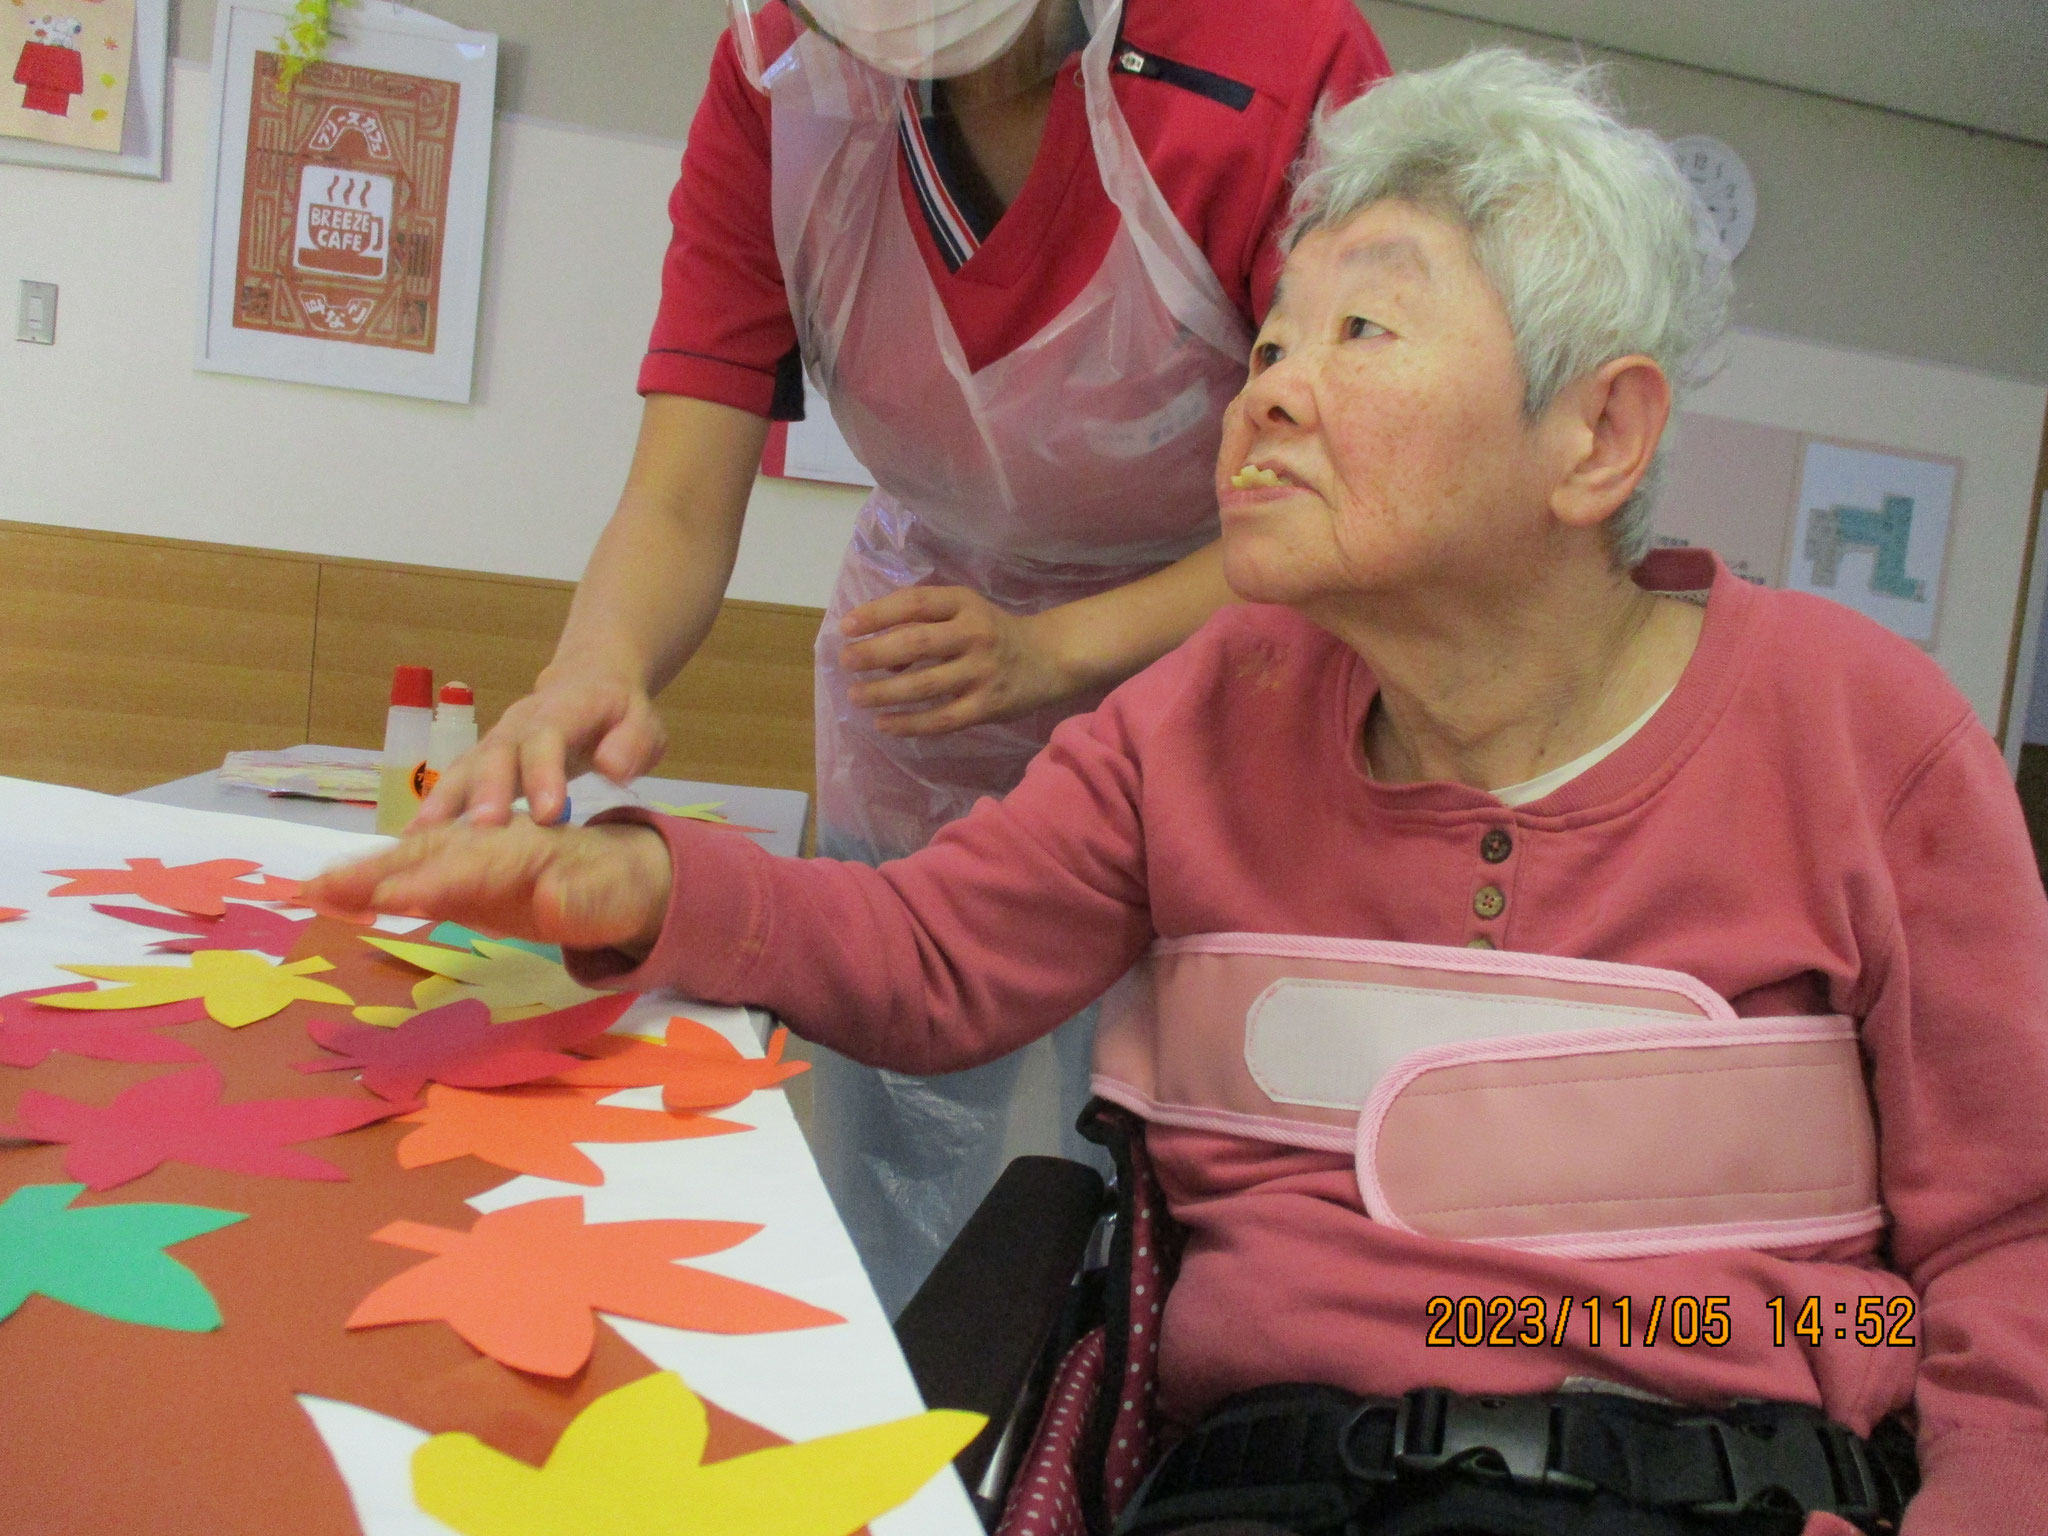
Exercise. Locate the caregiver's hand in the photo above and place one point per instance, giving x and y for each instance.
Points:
(955, 659)
(603, 887)
(575, 718)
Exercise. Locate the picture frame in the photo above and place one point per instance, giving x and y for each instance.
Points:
(346, 218)
(145, 119)
(1870, 529)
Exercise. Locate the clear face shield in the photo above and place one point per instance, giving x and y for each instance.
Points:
(1010, 46)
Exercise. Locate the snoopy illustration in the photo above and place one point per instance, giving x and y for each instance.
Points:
(50, 66)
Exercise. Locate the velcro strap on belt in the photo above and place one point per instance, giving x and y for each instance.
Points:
(1576, 1108)
(1311, 1458)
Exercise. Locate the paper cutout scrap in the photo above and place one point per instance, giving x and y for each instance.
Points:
(179, 1118)
(522, 1283)
(200, 889)
(703, 810)
(29, 1033)
(107, 1259)
(240, 927)
(514, 983)
(697, 1069)
(458, 1044)
(12, 914)
(237, 987)
(632, 1464)
(534, 1130)
(455, 936)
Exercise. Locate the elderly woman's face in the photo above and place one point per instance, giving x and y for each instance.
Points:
(1386, 401)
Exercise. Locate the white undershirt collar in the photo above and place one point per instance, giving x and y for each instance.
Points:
(1549, 783)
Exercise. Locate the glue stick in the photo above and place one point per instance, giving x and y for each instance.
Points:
(405, 747)
(454, 731)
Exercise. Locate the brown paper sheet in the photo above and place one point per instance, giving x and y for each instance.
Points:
(112, 1427)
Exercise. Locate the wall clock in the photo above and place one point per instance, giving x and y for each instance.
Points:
(1724, 185)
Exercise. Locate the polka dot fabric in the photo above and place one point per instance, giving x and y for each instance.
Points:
(1045, 1497)
(1153, 1245)
(1098, 1435)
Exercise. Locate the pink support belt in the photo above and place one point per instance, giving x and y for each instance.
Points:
(1571, 1107)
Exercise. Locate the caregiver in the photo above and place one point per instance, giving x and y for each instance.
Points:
(1020, 249)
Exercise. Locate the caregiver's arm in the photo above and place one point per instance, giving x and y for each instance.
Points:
(1958, 1038)
(646, 601)
(976, 662)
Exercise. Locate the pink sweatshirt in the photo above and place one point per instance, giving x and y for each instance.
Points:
(1814, 822)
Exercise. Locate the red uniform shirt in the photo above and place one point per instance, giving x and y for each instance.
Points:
(1218, 97)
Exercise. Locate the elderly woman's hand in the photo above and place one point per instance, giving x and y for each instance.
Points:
(604, 887)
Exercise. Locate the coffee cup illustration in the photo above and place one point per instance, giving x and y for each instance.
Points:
(344, 223)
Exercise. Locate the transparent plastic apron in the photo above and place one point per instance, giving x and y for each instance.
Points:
(1077, 463)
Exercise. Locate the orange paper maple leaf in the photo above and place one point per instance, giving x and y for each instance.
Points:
(522, 1283)
(534, 1130)
(697, 1069)
(200, 889)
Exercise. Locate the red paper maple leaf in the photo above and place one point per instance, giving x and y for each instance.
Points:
(522, 1283)
(458, 1044)
(28, 1034)
(240, 926)
(698, 1068)
(200, 889)
(179, 1118)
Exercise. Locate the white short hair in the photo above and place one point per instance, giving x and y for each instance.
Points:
(1594, 241)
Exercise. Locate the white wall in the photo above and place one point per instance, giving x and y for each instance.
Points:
(1873, 230)
(113, 429)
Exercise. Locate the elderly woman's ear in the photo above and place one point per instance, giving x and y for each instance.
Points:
(1604, 429)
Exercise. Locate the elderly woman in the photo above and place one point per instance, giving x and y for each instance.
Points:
(1561, 975)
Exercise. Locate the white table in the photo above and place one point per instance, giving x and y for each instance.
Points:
(782, 811)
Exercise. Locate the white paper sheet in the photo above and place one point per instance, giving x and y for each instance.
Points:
(799, 1385)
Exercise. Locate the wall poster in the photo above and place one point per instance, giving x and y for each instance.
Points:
(348, 213)
(82, 84)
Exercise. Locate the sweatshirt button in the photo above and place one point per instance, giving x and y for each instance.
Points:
(1496, 845)
(1482, 942)
(1489, 903)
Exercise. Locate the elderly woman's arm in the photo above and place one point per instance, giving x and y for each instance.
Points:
(1958, 1034)
(1013, 919)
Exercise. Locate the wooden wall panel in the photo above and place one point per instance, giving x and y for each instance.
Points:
(493, 633)
(740, 713)
(128, 662)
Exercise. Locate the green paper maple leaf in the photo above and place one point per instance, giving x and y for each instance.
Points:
(107, 1259)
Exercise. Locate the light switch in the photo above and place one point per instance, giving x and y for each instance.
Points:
(38, 317)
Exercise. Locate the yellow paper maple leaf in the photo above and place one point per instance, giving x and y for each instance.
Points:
(632, 1464)
(514, 983)
(236, 986)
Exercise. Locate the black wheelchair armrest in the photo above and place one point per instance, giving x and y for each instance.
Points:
(978, 1331)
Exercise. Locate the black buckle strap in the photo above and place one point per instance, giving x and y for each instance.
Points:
(1276, 1448)
(1809, 1462)
(1511, 1438)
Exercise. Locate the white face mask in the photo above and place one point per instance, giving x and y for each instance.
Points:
(923, 39)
